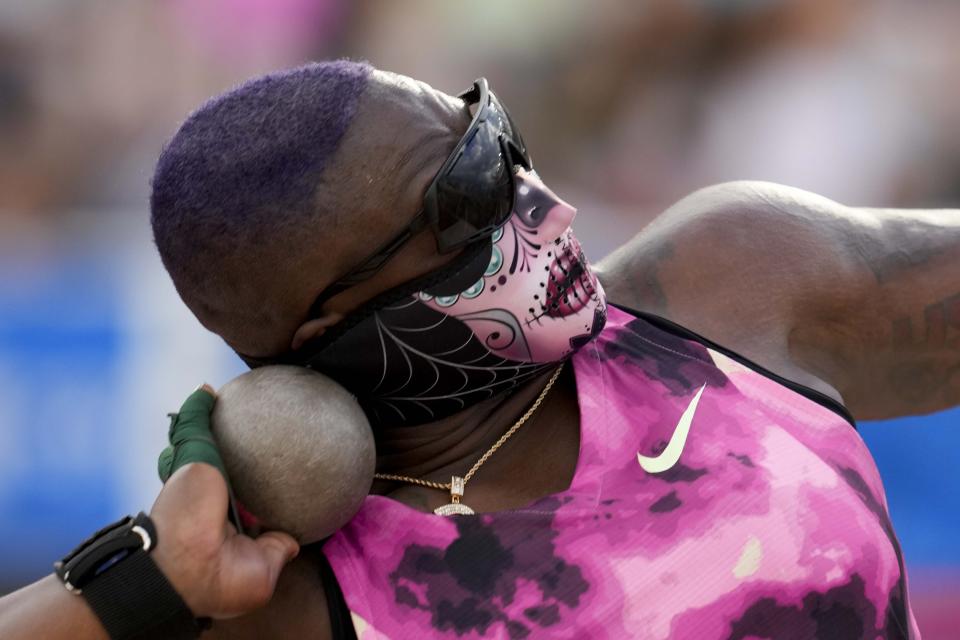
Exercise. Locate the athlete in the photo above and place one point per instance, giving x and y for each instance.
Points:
(661, 446)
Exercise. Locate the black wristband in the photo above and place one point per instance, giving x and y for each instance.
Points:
(125, 588)
(135, 601)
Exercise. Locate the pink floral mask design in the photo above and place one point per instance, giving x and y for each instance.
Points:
(498, 315)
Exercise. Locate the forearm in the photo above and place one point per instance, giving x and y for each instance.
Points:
(893, 344)
(45, 609)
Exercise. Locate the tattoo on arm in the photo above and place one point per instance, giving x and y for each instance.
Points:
(909, 239)
(913, 256)
(941, 322)
(933, 377)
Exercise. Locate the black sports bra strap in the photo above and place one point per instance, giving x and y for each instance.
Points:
(340, 620)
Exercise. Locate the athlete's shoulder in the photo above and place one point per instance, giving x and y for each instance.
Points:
(738, 263)
(731, 242)
(728, 239)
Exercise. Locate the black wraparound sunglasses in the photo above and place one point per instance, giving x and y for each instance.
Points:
(469, 198)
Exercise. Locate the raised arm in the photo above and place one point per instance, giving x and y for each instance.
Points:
(890, 342)
(861, 304)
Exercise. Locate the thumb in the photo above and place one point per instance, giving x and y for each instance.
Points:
(278, 548)
(249, 571)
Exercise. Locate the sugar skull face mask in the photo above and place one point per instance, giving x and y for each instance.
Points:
(504, 310)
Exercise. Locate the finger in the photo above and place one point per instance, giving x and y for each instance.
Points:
(250, 569)
(280, 547)
(277, 550)
(191, 439)
(196, 493)
(165, 464)
(198, 404)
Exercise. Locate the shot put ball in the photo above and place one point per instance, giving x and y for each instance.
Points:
(298, 449)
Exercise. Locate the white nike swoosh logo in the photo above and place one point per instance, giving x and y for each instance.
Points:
(669, 456)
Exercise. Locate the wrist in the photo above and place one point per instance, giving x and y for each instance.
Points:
(44, 609)
(82, 619)
(186, 574)
(115, 573)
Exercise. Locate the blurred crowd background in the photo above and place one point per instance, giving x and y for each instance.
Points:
(626, 106)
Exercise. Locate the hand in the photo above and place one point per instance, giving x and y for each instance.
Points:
(218, 572)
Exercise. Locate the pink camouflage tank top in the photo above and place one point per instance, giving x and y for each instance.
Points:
(772, 524)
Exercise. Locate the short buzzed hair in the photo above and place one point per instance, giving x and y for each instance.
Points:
(243, 171)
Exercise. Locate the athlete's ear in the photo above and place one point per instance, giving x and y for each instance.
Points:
(314, 328)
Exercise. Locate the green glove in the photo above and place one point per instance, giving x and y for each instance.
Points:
(190, 437)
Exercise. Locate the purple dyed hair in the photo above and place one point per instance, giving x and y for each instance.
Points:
(246, 164)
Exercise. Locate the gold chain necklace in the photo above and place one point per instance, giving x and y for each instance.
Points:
(457, 483)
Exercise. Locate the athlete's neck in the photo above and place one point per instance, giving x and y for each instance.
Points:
(437, 450)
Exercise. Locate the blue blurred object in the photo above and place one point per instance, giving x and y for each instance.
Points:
(60, 341)
(919, 460)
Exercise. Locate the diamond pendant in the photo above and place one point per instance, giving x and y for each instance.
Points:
(455, 508)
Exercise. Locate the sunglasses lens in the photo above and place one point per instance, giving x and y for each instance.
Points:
(476, 195)
(513, 133)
